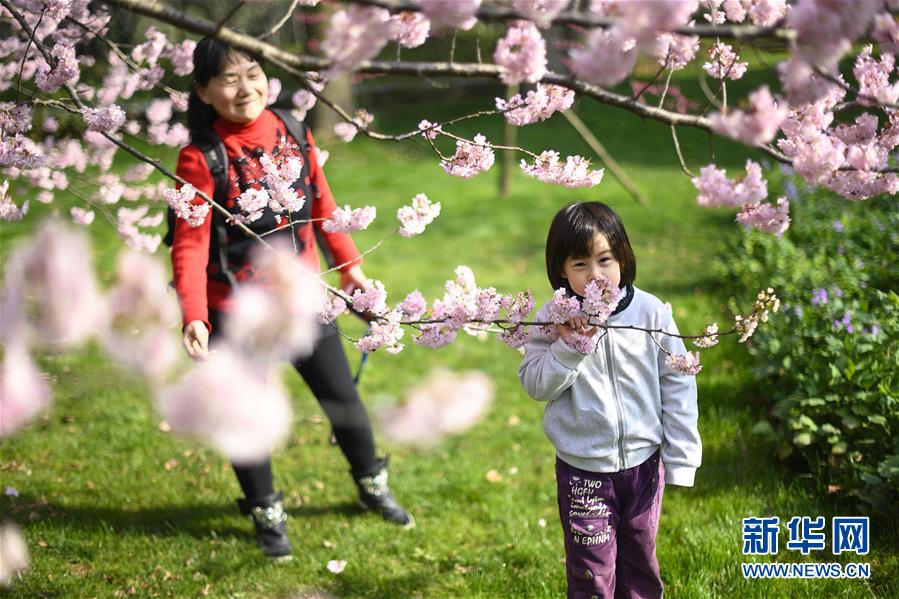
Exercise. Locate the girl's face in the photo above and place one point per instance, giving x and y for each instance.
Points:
(239, 93)
(579, 270)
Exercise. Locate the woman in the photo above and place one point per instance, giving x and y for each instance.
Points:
(228, 106)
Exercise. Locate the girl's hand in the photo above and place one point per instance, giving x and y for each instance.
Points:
(578, 324)
(196, 340)
(352, 279)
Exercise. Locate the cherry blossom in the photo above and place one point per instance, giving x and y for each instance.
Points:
(759, 124)
(724, 63)
(107, 119)
(14, 550)
(470, 159)
(450, 13)
(715, 189)
(186, 204)
(232, 403)
(686, 364)
(410, 29)
(539, 104)
(446, 403)
(347, 220)
(600, 299)
(521, 54)
(418, 215)
(709, 338)
(355, 35)
(575, 172)
(769, 218)
(608, 58)
(541, 12)
(24, 392)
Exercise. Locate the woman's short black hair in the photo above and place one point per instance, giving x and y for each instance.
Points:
(210, 56)
(571, 235)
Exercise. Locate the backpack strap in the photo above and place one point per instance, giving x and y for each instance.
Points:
(297, 130)
(217, 160)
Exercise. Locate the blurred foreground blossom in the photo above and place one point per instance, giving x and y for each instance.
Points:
(50, 294)
(24, 392)
(336, 565)
(141, 316)
(446, 403)
(13, 553)
(231, 403)
(275, 317)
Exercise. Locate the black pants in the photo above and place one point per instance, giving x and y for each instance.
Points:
(327, 373)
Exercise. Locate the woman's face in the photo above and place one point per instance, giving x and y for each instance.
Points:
(239, 93)
(578, 271)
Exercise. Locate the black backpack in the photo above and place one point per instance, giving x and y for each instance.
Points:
(217, 160)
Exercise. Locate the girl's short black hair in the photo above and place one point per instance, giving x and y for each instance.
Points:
(572, 232)
(210, 56)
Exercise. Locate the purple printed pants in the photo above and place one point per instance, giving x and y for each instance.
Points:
(610, 523)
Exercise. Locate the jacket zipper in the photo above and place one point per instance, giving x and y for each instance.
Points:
(614, 384)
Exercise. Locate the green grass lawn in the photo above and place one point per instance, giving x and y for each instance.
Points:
(112, 506)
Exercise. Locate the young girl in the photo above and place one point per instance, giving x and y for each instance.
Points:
(622, 422)
(228, 105)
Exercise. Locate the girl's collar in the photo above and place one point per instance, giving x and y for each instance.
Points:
(625, 301)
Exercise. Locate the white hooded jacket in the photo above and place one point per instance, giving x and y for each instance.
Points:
(612, 409)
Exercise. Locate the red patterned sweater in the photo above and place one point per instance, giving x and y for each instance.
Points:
(244, 143)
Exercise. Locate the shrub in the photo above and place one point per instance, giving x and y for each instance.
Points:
(827, 364)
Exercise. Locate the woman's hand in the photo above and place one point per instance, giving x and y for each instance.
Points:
(352, 279)
(578, 324)
(196, 340)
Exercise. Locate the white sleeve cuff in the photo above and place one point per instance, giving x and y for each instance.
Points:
(681, 476)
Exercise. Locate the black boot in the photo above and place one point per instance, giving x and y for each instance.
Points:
(375, 494)
(270, 520)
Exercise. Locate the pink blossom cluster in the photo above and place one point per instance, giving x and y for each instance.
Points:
(372, 298)
(355, 34)
(429, 130)
(825, 30)
(80, 216)
(107, 119)
(19, 152)
(539, 104)
(873, 77)
(409, 29)
(709, 337)
(8, 209)
(470, 159)
(347, 220)
(13, 547)
(609, 57)
(110, 189)
(585, 344)
(276, 316)
(413, 305)
(129, 223)
(274, 90)
(303, 101)
(600, 299)
(450, 13)
(644, 20)
(521, 54)
(347, 131)
(769, 218)
(686, 364)
(65, 71)
(563, 307)
(715, 189)
(541, 12)
(724, 63)
(446, 403)
(186, 205)
(141, 313)
(886, 33)
(24, 392)
(763, 13)
(758, 125)
(418, 215)
(384, 333)
(765, 301)
(279, 194)
(575, 172)
(14, 118)
(234, 404)
(332, 307)
(675, 51)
